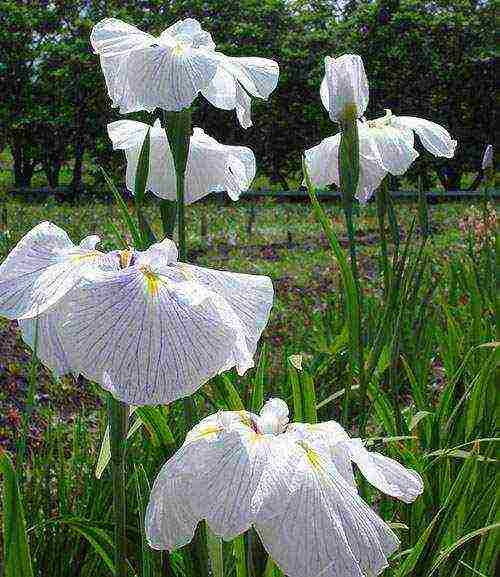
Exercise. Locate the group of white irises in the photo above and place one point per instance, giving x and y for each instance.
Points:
(151, 329)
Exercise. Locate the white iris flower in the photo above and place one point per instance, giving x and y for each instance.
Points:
(144, 72)
(386, 145)
(293, 482)
(344, 85)
(211, 166)
(146, 327)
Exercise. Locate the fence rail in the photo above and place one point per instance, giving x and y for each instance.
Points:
(402, 194)
(301, 194)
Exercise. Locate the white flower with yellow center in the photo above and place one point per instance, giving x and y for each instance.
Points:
(146, 327)
(211, 166)
(144, 72)
(293, 482)
(386, 144)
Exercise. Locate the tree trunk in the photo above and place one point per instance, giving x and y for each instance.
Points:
(52, 169)
(17, 156)
(23, 167)
(76, 183)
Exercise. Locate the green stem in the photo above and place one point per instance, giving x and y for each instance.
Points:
(381, 197)
(178, 127)
(351, 235)
(349, 178)
(118, 421)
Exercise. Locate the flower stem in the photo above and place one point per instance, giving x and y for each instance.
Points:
(349, 178)
(118, 420)
(178, 127)
(381, 213)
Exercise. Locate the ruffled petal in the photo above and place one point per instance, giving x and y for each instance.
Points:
(213, 167)
(228, 473)
(150, 336)
(258, 76)
(113, 40)
(387, 475)
(143, 72)
(225, 93)
(324, 94)
(326, 529)
(236, 78)
(236, 488)
(125, 134)
(322, 162)
(111, 37)
(42, 335)
(395, 146)
(434, 137)
(129, 135)
(371, 167)
(240, 171)
(221, 92)
(347, 85)
(328, 437)
(249, 296)
(165, 77)
(243, 107)
(43, 267)
(189, 31)
(160, 254)
(170, 519)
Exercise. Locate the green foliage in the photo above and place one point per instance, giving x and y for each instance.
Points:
(16, 558)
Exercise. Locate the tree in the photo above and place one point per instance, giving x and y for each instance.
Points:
(434, 59)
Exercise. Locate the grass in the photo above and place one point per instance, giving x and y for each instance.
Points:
(430, 385)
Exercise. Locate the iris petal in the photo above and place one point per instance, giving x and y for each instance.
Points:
(41, 269)
(434, 137)
(326, 529)
(211, 166)
(387, 475)
(153, 335)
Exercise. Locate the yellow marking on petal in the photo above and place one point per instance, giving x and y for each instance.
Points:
(312, 456)
(125, 257)
(209, 430)
(179, 49)
(153, 281)
(245, 419)
(250, 423)
(89, 255)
